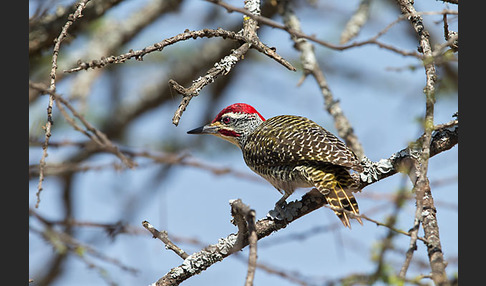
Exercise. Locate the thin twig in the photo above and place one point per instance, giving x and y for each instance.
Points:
(52, 87)
(223, 67)
(164, 237)
(180, 159)
(252, 241)
(411, 248)
(390, 227)
(63, 241)
(299, 34)
(96, 135)
(378, 223)
(139, 54)
(186, 35)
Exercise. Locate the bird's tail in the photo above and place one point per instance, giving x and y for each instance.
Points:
(339, 198)
(336, 185)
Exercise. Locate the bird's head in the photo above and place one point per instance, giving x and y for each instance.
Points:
(234, 123)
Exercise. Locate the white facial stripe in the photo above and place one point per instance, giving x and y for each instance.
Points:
(238, 115)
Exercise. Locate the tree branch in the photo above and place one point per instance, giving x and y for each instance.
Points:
(43, 29)
(203, 259)
(91, 132)
(425, 209)
(247, 35)
(223, 67)
(164, 237)
(139, 54)
(299, 34)
(244, 218)
(443, 139)
(359, 18)
(311, 201)
(52, 88)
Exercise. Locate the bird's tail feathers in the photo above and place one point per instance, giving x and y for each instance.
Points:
(342, 199)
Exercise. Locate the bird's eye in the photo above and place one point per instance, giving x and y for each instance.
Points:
(226, 120)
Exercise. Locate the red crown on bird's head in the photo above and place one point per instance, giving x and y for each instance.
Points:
(237, 108)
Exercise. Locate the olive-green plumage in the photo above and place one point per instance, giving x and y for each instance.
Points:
(291, 152)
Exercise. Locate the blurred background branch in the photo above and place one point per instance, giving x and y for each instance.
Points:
(87, 225)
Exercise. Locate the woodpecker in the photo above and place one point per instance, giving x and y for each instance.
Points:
(291, 152)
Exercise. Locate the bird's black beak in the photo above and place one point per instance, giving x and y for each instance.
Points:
(206, 129)
(198, 130)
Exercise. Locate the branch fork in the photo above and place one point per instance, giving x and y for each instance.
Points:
(247, 35)
(249, 230)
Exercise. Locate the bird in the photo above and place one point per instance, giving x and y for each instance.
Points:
(291, 152)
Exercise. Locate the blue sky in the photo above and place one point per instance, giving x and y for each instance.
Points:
(382, 104)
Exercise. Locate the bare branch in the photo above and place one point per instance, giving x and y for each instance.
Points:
(203, 259)
(139, 54)
(223, 67)
(311, 201)
(52, 88)
(164, 237)
(62, 241)
(359, 18)
(387, 225)
(44, 28)
(299, 34)
(244, 218)
(425, 209)
(442, 140)
(94, 134)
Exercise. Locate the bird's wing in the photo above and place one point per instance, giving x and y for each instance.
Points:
(297, 140)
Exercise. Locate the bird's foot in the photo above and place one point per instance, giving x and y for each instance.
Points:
(278, 213)
(285, 211)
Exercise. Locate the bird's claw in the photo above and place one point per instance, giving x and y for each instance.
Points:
(285, 211)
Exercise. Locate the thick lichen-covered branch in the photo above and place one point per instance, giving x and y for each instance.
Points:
(200, 261)
(443, 139)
